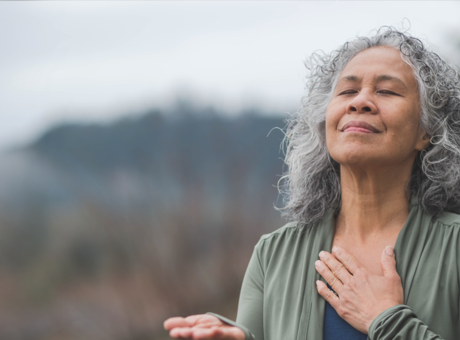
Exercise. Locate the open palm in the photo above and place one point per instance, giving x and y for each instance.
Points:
(202, 327)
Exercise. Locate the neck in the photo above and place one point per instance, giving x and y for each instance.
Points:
(374, 203)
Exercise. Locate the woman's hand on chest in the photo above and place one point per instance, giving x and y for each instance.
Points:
(362, 295)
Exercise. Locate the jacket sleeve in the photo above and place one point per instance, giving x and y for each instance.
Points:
(400, 323)
(250, 306)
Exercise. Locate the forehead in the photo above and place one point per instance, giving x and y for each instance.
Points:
(376, 61)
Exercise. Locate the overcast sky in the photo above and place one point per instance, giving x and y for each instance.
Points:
(93, 61)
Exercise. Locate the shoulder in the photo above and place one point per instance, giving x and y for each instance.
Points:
(288, 228)
(443, 242)
(447, 219)
(290, 241)
(289, 232)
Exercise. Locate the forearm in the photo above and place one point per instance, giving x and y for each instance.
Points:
(400, 323)
(250, 306)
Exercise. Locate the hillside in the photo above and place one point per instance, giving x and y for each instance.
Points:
(109, 229)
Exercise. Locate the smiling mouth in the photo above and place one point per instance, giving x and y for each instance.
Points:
(359, 126)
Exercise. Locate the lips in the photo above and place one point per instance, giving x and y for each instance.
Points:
(359, 126)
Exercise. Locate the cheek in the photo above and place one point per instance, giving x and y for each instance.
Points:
(329, 129)
(332, 122)
(404, 126)
(330, 117)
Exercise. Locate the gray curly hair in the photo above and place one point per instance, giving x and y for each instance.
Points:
(311, 185)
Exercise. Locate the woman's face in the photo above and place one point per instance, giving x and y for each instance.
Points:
(374, 115)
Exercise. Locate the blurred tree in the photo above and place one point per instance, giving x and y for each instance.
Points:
(110, 229)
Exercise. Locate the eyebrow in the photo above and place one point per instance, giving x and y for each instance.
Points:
(382, 77)
(385, 77)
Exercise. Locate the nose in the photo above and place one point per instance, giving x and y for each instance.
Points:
(362, 103)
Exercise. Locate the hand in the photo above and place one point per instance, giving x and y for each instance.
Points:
(362, 296)
(203, 327)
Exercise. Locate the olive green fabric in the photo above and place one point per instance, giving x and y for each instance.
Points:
(279, 300)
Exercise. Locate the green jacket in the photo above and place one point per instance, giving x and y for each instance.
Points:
(279, 300)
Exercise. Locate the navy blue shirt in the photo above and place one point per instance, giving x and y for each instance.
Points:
(336, 328)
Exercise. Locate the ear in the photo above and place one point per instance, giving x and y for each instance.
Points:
(423, 141)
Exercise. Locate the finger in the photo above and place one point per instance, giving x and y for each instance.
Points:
(231, 333)
(190, 321)
(179, 321)
(327, 294)
(176, 322)
(219, 332)
(196, 332)
(205, 334)
(336, 267)
(181, 332)
(214, 333)
(203, 319)
(350, 263)
(226, 333)
(330, 278)
(388, 262)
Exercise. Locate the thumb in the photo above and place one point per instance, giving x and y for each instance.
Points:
(389, 263)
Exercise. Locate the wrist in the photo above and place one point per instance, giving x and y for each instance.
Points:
(378, 313)
(379, 327)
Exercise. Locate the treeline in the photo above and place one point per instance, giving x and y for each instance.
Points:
(109, 229)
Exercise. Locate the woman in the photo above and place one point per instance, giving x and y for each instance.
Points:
(373, 190)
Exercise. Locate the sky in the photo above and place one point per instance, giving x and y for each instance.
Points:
(96, 61)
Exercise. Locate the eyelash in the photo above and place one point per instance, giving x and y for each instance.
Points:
(354, 91)
(387, 92)
(348, 92)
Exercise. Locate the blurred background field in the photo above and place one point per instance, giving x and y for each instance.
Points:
(109, 229)
(140, 151)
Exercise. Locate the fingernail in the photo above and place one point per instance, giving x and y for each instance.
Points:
(389, 250)
(334, 248)
(321, 253)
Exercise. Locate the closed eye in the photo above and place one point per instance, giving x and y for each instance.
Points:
(348, 92)
(388, 92)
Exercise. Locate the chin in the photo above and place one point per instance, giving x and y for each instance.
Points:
(356, 157)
